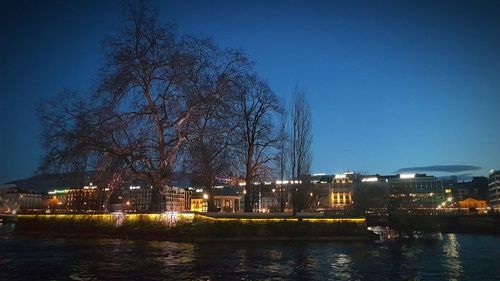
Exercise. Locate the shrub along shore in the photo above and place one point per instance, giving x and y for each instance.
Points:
(192, 227)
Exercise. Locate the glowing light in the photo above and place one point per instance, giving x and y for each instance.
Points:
(132, 187)
(370, 179)
(106, 189)
(242, 184)
(447, 190)
(58, 191)
(407, 176)
(259, 220)
(170, 218)
(341, 176)
(128, 203)
(119, 218)
(449, 199)
(205, 196)
(281, 182)
(267, 183)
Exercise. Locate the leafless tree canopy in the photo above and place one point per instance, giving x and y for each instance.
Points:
(301, 136)
(158, 92)
(210, 151)
(282, 156)
(301, 140)
(258, 105)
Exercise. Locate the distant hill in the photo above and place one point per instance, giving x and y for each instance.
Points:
(44, 183)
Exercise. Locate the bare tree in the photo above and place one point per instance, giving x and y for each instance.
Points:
(257, 106)
(282, 157)
(153, 86)
(301, 141)
(66, 119)
(210, 150)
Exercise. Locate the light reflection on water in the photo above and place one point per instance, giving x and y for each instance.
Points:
(452, 262)
(456, 257)
(341, 267)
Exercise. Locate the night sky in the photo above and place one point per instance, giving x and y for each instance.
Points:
(392, 85)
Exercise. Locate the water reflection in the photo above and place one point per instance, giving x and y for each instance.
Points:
(342, 267)
(456, 257)
(452, 263)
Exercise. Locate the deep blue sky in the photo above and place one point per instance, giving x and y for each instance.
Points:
(392, 84)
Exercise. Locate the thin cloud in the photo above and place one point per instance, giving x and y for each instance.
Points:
(440, 168)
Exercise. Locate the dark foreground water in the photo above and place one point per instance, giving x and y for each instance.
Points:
(455, 257)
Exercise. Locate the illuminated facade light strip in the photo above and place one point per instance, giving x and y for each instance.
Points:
(324, 220)
(407, 176)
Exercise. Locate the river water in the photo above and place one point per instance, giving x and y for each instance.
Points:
(455, 257)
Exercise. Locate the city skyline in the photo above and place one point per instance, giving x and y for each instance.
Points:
(392, 86)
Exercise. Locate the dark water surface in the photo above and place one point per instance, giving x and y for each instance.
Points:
(455, 257)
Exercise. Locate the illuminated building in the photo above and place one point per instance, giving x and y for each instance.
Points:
(20, 201)
(137, 199)
(477, 189)
(175, 199)
(199, 205)
(371, 195)
(416, 192)
(340, 192)
(494, 189)
(472, 203)
(269, 204)
(227, 199)
(74, 200)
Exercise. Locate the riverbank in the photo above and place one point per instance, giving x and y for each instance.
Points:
(192, 227)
